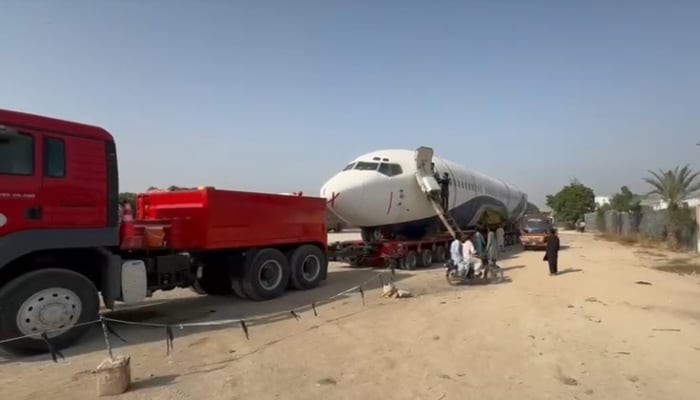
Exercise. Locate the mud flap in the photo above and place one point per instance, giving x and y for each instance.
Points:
(111, 287)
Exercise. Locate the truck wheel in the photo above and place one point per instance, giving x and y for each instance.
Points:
(410, 260)
(266, 275)
(371, 235)
(426, 258)
(46, 299)
(440, 254)
(213, 282)
(306, 264)
(237, 288)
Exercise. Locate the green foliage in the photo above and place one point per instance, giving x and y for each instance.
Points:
(675, 185)
(625, 200)
(572, 202)
(128, 197)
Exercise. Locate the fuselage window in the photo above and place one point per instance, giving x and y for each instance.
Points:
(366, 166)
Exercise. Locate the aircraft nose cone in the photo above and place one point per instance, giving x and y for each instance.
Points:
(344, 198)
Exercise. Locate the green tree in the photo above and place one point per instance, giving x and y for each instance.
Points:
(572, 202)
(625, 200)
(130, 198)
(674, 186)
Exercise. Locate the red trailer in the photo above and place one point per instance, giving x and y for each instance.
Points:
(387, 253)
(63, 241)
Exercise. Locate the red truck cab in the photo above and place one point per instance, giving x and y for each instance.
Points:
(60, 242)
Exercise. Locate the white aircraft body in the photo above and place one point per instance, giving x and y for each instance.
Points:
(380, 193)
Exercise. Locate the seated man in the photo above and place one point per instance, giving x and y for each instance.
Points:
(456, 255)
(469, 252)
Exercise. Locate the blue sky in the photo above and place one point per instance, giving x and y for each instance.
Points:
(279, 95)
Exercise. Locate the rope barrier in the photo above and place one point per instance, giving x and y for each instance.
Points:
(169, 337)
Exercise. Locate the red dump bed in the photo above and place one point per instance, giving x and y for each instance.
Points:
(209, 219)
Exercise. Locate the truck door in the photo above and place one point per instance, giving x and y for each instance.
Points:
(20, 182)
(73, 177)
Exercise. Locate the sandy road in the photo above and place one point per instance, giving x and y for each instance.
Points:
(591, 332)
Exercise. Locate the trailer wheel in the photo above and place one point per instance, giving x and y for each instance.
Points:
(42, 300)
(371, 235)
(440, 254)
(266, 274)
(426, 258)
(306, 264)
(410, 260)
(446, 254)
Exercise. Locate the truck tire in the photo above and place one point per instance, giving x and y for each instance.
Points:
(410, 260)
(306, 266)
(213, 282)
(266, 274)
(440, 253)
(371, 235)
(44, 299)
(426, 258)
(237, 288)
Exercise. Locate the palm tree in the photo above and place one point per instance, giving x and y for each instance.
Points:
(674, 186)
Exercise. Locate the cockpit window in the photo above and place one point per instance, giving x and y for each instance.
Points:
(390, 169)
(349, 166)
(366, 166)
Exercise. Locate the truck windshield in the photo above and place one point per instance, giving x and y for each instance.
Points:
(535, 226)
(17, 155)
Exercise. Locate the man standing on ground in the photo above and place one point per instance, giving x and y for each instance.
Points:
(501, 238)
(456, 255)
(491, 248)
(551, 255)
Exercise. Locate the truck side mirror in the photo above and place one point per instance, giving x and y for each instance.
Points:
(7, 133)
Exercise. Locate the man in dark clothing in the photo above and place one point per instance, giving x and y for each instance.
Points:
(435, 173)
(551, 255)
(445, 191)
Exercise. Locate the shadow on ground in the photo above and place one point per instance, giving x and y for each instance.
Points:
(569, 271)
(196, 308)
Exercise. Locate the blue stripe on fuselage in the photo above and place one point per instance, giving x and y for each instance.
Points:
(463, 214)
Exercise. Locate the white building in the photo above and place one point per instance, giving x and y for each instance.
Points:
(662, 204)
(600, 201)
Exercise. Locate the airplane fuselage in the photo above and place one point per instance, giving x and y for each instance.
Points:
(378, 191)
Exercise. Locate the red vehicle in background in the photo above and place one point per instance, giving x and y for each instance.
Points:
(63, 241)
(534, 229)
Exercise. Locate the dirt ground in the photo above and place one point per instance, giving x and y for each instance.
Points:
(591, 332)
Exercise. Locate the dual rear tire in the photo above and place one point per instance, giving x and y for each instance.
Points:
(424, 259)
(263, 274)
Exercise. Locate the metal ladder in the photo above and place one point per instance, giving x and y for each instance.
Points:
(430, 186)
